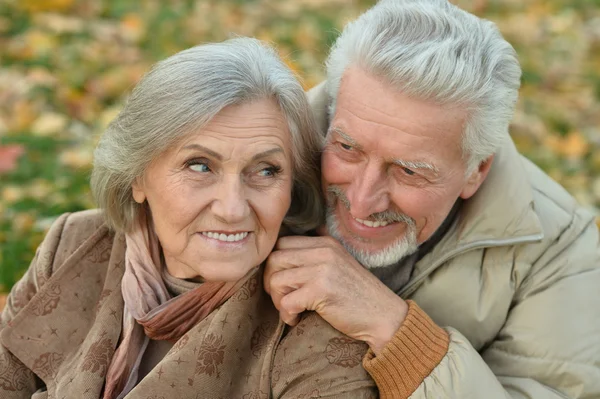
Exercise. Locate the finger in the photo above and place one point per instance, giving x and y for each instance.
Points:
(299, 242)
(286, 281)
(290, 320)
(278, 261)
(293, 304)
(295, 258)
(277, 294)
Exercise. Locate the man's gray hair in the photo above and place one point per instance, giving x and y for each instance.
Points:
(432, 50)
(183, 93)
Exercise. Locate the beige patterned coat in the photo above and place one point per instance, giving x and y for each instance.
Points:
(62, 322)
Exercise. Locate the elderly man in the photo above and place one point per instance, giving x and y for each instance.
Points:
(467, 270)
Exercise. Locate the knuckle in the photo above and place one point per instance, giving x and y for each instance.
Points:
(321, 285)
(281, 242)
(325, 253)
(332, 241)
(325, 271)
(285, 304)
(277, 280)
(274, 261)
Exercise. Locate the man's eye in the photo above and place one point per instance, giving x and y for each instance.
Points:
(199, 167)
(345, 146)
(408, 171)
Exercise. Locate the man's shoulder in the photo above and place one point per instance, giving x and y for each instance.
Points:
(568, 229)
(556, 208)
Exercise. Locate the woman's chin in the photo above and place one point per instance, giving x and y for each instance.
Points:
(220, 271)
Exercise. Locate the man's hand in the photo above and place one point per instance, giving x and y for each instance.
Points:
(317, 273)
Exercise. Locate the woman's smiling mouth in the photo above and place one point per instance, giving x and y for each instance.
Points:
(222, 237)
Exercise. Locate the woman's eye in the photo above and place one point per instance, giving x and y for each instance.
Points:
(200, 167)
(269, 171)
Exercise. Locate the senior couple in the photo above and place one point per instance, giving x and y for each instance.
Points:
(382, 238)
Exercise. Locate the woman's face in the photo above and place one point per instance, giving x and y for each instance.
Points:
(219, 197)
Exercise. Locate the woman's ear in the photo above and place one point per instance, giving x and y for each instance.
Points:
(137, 191)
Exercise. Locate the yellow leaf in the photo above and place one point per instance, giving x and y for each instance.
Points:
(22, 222)
(307, 36)
(12, 194)
(554, 143)
(81, 158)
(575, 145)
(34, 6)
(39, 189)
(49, 123)
(23, 114)
(133, 28)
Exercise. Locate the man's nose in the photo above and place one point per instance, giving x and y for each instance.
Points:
(368, 192)
(231, 204)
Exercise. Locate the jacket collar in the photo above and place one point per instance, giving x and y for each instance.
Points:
(502, 209)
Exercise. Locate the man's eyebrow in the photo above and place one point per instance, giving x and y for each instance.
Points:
(344, 136)
(416, 165)
(274, 150)
(205, 149)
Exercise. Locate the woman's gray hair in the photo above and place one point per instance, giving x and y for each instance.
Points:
(183, 93)
(432, 50)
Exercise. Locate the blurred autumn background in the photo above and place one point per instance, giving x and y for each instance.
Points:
(67, 66)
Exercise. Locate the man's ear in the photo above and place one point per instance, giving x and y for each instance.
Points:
(137, 191)
(476, 178)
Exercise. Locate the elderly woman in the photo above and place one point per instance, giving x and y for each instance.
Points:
(158, 294)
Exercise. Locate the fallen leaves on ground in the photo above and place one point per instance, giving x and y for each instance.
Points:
(67, 67)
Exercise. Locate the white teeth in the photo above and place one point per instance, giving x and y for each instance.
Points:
(370, 223)
(225, 237)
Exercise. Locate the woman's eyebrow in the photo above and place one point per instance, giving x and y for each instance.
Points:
(218, 157)
(266, 153)
(205, 149)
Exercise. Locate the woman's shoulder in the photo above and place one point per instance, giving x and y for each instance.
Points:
(83, 222)
(72, 231)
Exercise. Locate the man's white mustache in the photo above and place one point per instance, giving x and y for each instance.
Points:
(388, 216)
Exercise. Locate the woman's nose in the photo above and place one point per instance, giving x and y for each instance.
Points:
(230, 204)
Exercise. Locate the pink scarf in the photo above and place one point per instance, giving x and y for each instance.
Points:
(150, 312)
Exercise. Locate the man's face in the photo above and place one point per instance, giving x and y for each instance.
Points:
(392, 169)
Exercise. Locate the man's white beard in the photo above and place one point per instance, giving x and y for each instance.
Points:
(404, 246)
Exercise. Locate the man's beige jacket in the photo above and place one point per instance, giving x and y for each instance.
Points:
(515, 283)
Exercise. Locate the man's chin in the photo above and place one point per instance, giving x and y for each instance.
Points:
(382, 258)
(367, 251)
(376, 256)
